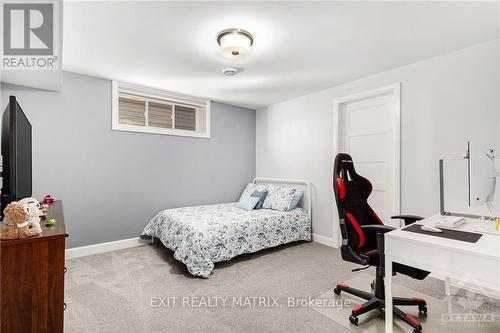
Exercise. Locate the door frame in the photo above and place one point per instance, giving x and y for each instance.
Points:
(395, 90)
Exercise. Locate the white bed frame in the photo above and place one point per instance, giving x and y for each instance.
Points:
(305, 203)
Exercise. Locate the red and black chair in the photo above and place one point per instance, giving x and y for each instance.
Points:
(363, 242)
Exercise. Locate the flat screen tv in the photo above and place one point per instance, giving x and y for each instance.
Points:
(16, 154)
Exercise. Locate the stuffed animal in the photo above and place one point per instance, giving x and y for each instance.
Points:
(17, 222)
(9, 228)
(35, 211)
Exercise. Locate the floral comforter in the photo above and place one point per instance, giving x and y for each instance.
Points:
(204, 235)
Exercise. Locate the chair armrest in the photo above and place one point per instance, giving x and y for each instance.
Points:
(408, 219)
(379, 228)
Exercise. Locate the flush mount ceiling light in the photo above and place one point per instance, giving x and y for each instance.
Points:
(235, 42)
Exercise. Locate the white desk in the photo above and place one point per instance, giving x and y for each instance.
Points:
(475, 263)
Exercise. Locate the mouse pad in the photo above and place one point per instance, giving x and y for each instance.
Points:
(464, 236)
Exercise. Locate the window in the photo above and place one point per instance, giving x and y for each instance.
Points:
(146, 110)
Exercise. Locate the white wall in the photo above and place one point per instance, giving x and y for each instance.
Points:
(444, 102)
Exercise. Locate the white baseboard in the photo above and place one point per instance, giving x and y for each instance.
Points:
(328, 241)
(88, 250)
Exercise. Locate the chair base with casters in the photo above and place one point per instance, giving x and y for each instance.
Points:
(376, 300)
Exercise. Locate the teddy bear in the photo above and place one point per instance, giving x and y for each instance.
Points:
(17, 222)
(35, 211)
(9, 229)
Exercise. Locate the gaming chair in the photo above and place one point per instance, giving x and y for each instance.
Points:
(363, 242)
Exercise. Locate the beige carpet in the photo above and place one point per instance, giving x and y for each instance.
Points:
(145, 289)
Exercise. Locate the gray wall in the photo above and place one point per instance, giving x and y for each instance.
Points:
(113, 182)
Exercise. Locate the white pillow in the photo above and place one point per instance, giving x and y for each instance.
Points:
(278, 198)
(251, 187)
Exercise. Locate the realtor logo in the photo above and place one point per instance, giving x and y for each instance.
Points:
(30, 35)
(28, 29)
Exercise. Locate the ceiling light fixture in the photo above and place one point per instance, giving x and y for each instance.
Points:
(235, 42)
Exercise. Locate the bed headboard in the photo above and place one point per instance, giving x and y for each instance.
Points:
(305, 203)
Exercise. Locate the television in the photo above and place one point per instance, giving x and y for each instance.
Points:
(16, 154)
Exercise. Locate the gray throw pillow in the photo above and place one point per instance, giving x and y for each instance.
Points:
(262, 196)
(296, 199)
(248, 203)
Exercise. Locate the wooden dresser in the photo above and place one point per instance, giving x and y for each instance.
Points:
(32, 279)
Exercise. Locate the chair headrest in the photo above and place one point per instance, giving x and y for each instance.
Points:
(343, 162)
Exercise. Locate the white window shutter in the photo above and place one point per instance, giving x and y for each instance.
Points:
(159, 115)
(185, 118)
(131, 111)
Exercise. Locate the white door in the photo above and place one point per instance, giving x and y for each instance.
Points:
(369, 132)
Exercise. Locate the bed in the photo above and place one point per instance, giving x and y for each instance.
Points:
(203, 235)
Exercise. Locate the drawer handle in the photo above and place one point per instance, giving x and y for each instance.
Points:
(65, 269)
(65, 306)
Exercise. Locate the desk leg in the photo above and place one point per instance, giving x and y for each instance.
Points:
(447, 283)
(388, 294)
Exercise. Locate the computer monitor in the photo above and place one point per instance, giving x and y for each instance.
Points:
(481, 174)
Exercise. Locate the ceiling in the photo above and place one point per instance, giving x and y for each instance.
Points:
(299, 47)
